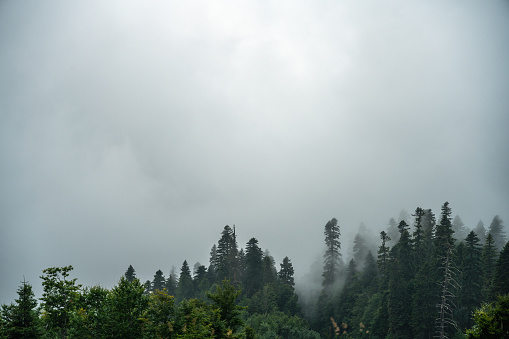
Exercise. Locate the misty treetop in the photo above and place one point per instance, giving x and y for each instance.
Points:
(419, 279)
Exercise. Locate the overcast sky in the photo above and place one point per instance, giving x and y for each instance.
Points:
(132, 132)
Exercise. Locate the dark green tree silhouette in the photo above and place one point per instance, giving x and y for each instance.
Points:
(130, 274)
(332, 257)
(253, 274)
(185, 288)
(286, 272)
(501, 276)
(159, 282)
(21, 319)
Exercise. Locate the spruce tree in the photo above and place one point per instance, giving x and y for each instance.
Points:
(488, 261)
(254, 270)
(286, 272)
(269, 268)
(469, 296)
(130, 274)
(159, 282)
(400, 286)
(332, 257)
(501, 276)
(171, 282)
(20, 320)
(443, 235)
(185, 288)
(227, 264)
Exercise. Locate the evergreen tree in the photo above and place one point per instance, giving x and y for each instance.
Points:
(469, 296)
(224, 299)
(370, 273)
(126, 306)
(130, 274)
(488, 261)
(227, 256)
(269, 268)
(171, 282)
(332, 257)
(443, 235)
(286, 272)
(400, 286)
(501, 276)
(383, 255)
(20, 320)
(497, 231)
(446, 325)
(200, 279)
(480, 231)
(212, 270)
(147, 287)
(159, 282)
(254, 270)
(185, 288)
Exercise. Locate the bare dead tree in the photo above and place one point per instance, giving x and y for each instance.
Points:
(446, 306)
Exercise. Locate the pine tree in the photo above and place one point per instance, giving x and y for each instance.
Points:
(469, 296)
(130, 274)
(171, 282)
(185, 289)
(497, 231)
(400, 286)
(501, 276)
(254, 270)
(332, 257)
(159, 282)
(443, 235)
(269, 268)
(370, 273)
(20, 320)
(286, 272)
(383, 256)
(212, 270)
(227, 256)
(488, 261)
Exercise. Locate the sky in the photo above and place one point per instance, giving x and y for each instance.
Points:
(132, 132)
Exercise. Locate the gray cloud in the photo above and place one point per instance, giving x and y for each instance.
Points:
(132, 133)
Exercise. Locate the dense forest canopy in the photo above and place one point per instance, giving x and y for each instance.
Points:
(421, 281)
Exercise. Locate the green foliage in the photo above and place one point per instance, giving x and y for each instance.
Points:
(332, 257)
(58, 300)
(280, 325)
(126, 304)
(20, 320)
(491, 320)
(224, 298)
(90, 318)
(501, 276)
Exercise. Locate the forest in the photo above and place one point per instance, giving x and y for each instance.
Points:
(427, 277)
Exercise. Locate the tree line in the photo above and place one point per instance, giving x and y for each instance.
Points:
(430, 279)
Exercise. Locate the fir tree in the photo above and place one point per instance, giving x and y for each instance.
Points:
(254, 270)
(185, 288)
(20, 320)
(469, 296)
(130, 274)
(286, 272)
(158, 282)
(332, 257)
(488, 261)
(501, 276)
(459, 229)
(171, 282)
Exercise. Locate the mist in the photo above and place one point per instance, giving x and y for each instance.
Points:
(132, 133)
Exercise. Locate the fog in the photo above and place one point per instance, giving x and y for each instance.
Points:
(133, 132)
